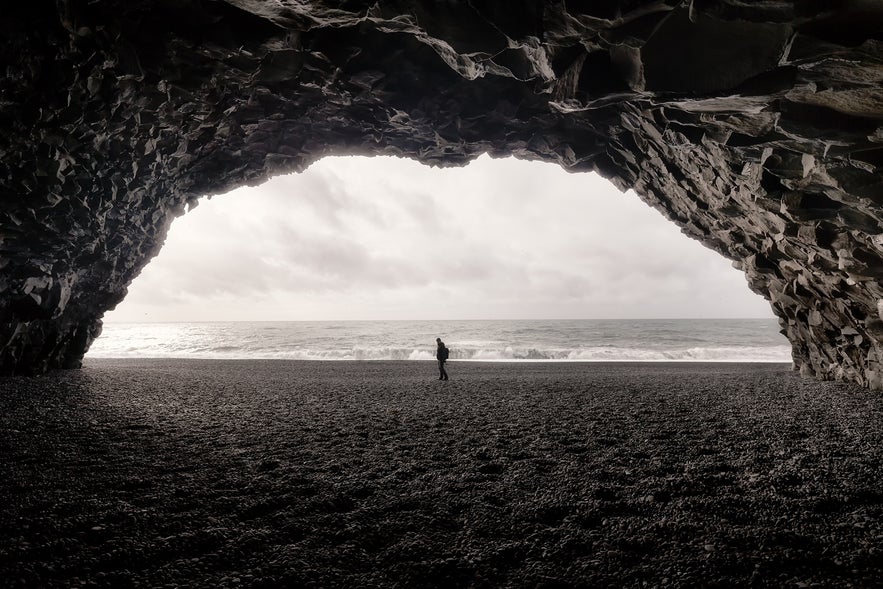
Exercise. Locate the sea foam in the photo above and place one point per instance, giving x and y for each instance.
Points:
(750, 340)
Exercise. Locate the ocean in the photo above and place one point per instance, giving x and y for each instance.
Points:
(640, 340)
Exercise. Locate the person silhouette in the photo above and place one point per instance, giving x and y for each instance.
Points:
(441, 354)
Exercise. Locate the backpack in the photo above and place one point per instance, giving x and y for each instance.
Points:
(445, 353)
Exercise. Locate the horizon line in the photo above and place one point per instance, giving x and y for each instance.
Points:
(437, 320)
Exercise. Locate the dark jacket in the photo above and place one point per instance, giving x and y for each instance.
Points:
(441, 353)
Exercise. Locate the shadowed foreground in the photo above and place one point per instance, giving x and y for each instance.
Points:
(297, 474)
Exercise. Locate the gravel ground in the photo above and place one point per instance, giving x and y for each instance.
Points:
(177, 473)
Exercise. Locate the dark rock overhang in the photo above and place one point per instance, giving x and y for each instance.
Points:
(756, 127)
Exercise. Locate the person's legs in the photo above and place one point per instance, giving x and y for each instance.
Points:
(443, 371)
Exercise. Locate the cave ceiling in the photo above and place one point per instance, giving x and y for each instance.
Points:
(757, 127)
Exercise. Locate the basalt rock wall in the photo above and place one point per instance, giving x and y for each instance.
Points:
(756, 127)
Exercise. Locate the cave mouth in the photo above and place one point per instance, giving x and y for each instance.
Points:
(505, 244)
(755, 129)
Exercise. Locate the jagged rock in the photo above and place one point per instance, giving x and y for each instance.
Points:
(756, 127)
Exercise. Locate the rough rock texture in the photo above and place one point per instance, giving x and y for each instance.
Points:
(755, 126)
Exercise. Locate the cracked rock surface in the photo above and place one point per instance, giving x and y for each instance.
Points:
(756, 127)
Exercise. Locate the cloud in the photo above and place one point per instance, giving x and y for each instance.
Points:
(389, 238)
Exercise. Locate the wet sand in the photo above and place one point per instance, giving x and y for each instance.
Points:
(193, 473)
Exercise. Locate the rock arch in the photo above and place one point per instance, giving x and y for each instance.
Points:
(756, 127)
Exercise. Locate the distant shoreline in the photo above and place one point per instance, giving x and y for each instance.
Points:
(124, 359)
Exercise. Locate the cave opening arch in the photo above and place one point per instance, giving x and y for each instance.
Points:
(404, 246)
(757, 130)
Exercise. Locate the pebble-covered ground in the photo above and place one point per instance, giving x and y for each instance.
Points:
(169, 473)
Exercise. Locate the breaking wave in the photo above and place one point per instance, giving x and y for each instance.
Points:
(671, 341)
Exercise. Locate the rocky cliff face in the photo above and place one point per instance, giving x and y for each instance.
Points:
(756, 127)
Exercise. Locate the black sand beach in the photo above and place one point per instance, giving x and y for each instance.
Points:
(173, 473)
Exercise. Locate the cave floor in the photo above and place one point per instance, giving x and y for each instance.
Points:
(374, 474)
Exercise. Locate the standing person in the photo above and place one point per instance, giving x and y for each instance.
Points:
(441, 353)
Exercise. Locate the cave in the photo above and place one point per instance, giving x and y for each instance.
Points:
(756, 127)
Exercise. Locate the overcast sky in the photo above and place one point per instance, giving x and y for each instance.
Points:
(388, 238)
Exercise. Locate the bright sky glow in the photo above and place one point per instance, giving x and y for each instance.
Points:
(388, 238)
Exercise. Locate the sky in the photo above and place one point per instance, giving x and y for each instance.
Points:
(387, 238)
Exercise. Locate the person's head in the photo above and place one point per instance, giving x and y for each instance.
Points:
(438, 340)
